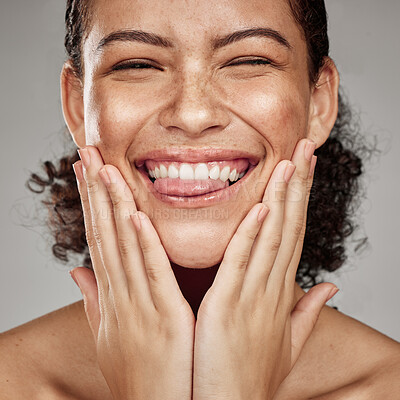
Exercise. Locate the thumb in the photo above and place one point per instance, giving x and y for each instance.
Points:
(305, 315)
(86, 281)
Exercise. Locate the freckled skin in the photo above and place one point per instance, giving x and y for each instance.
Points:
(195, 102)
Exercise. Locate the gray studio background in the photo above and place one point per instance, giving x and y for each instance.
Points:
(364, 37)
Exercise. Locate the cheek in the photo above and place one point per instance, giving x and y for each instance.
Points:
(277, 112)
(113, 117)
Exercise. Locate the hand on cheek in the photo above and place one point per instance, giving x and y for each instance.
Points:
(246, 322)
(142, 326)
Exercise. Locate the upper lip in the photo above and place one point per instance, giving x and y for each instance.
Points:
(193, 155)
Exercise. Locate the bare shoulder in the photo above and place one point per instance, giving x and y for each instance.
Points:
(382, 383)
(370, 361)
(345, 359)
(45, 358)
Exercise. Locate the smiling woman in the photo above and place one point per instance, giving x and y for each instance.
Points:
(201, 210)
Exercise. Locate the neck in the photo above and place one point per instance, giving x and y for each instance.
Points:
(194, 283)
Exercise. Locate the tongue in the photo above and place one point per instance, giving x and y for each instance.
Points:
(188, 187)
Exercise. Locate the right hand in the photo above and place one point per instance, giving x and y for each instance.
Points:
(142, 325)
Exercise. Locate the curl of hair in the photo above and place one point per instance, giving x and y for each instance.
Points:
(65, 216)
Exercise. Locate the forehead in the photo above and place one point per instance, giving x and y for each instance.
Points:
(191, 21)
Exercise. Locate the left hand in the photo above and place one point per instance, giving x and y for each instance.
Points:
(247, 336)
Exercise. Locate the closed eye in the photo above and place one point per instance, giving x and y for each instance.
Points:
(145, 65)
(134, 65)
(254, 61)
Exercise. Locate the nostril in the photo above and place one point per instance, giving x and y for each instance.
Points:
(194, 115)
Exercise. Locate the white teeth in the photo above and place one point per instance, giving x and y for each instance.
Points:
(232, 175)
(163, 171)
(214, 172)
(173, 172)
(186, 172)
(201, 172)
(225, 174)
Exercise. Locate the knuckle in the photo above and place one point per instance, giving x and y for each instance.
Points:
(90, 242)
(84, 195)
(241, 260)
(247, 233)
(309, 184)
(121, 213)
(250, 234)
(125, 246)
(97, 237)
(298, 228)
(147, 247)
(92, 186)
(275, 242)
(153, 272)
(117, 201)
(300, 240)
(279, 194)
(302, 178)
(296, 192)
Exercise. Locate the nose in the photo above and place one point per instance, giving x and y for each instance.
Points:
(193, 107)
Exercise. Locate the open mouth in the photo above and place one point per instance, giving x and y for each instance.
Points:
(184, 179)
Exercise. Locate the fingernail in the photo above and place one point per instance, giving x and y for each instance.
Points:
(262, 213)
(77, 284)
(85, 157)
(75, 279)
(332, 293)
(309, 150)
(77, 167)
(312, 166)
(136, 221)
(289, 171)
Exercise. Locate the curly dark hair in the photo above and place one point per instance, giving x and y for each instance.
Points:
(336, 191)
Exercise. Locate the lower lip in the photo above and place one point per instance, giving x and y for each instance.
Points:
(198, 201)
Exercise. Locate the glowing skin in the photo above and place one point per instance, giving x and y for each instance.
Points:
(194, 96)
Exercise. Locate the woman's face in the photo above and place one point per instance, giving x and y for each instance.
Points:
(188, 91)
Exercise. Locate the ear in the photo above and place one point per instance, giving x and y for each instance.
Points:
(72, 104)
(324, 103)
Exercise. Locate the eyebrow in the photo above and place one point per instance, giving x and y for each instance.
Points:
(249, 33)
(219, 42)
(134, 36)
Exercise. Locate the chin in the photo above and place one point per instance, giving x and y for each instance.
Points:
(194, 249)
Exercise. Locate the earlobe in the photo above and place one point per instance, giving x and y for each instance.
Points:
(72, 104)
(324, 103)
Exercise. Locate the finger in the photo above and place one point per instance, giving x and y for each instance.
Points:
(164, 288)
(103, 224)
(266, 246)
(305, 315)
(229, 278)
(295, 211)
(294, 263)
(86, 282)
(97, 264)
(131, 255)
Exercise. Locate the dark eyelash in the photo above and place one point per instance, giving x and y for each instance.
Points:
(257, 61)
(133, 65)
(143, 65)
